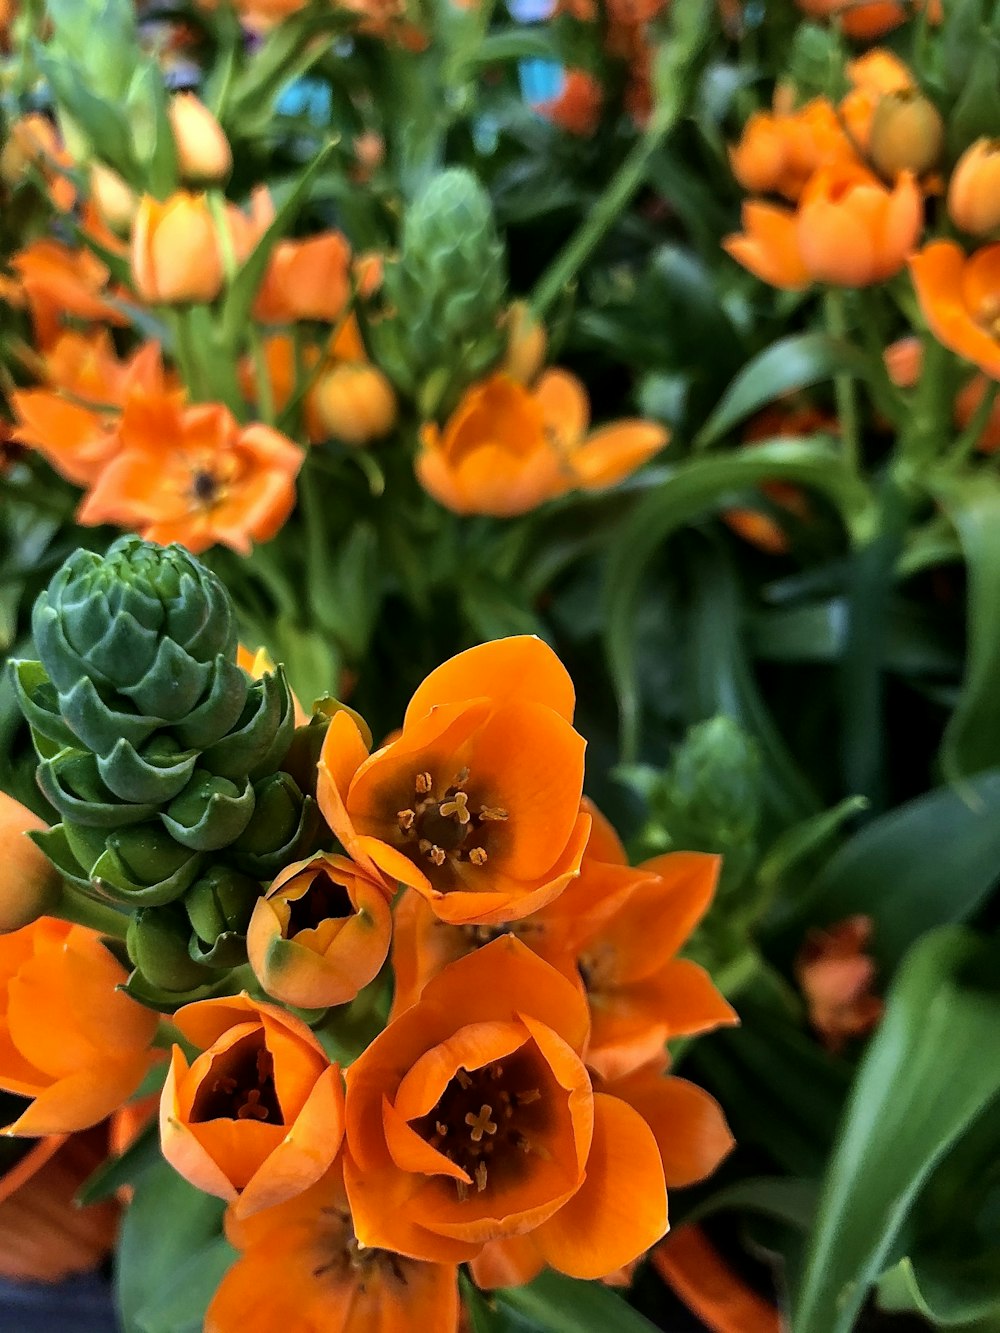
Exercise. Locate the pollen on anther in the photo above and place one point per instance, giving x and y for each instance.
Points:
(477, 855)
(463, 1079)
(526, 1098)
(423, 783)
(493, 812)
(406, 818)
(481, 1177)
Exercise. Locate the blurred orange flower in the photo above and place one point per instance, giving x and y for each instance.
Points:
(203, 152)
(577, 109)
(476, 805)
(260, 14)
(69, 1037)
(960, 299)
(866, 21)
(55, 280)
(257, 1117)
(757, 527)
(904, 360)
(33, 141)
(506, 448)
(29, 883)
(308, 279)
(974, 189)
(197, 477)
(472, 1118)
(321, 933)
(836, 977)
(778, 151)
(768, 246)
(302, 1268)
(176, 255)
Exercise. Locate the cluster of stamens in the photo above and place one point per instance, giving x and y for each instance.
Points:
(445, 826)
(476, 1123)
(243, 1091)
(362, 1260)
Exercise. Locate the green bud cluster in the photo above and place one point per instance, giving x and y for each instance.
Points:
(444, 296)
(161, 755)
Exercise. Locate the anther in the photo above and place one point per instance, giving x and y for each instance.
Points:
(526, 1098)
(459, 807)
(481, 1177)
(477, 855)
(441, 1128)
(463, 1079)
(493, 812)
(423, 783)
(434, 854)
(460, 778)
(225, 1084)
(480, 1124)
(462, 1189)
(406, 818)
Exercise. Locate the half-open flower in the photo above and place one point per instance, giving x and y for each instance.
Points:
(960, 300)
(258, 1116)
(69, 1036)
(321, 933)
(476, 805)
(472, 1118)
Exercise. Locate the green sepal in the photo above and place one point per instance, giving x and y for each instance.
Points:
(219, 711)
(155, 774)
(119, 877)
(228, 951)
(172, 686)
(210, 813)
(140, 988)
(55, 845)
(158, 947)
(70, 780)
(40, 704)
(221, 902)
(100, 726)
(285, 823)
(258, 741)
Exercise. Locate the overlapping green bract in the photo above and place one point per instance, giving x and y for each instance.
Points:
(444, 296)
(159, 752)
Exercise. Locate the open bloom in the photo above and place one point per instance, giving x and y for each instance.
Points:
(476, 805)
(308, 279)
(321, 932)
(258, 1116)
(960, 300)
(204, 480)
(506, 448)
(301, 1267)
(69, 1037)
(56, 280)
(472, 1118)
(779, 151)
(836, 977)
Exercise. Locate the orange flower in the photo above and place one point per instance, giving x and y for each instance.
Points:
(472, 1118)
(29, 883)
(113, 199)
(302, 1268)
(176, 256)
(260, 15)
(527, 342)
(577, 109)
(201, 479)
(477, 804)
(354, 402)
(836, 978)
(865, 22)
(33, 141)
(57, 281)
(261, 663)
(69, 1037)
(778, 152)
(690, 1264)
(75, 421)
(974, 188)
(258, 1117)
(308, 279)
(203, 152)
(507, 449)
(960, 300)
(768, 246)
(321, 933)
(904, 360)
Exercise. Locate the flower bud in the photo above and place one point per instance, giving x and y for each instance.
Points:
(29, 882)
(204, 156)
(157, 944)
(974, 189)
(907, 134)
(283, 820)
(115, 201)
(210, 813)
(355, 403)
(219, 906)
(175, 250)
(527, 344)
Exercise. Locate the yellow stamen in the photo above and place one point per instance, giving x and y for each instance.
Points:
(481, 1124)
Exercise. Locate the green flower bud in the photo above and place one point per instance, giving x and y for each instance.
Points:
(713, 786)
(262, 734)
(211, 812)
(157, 943)
(219, 907)
(284, 820)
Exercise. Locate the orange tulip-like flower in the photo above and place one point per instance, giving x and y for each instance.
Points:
(29, 883)
(203, 480)
(257, 1117)
(176, 255)
(477, 804)
(472, 1118)
(75, 420)
(56, 281)
(204, 156)
(974, 189)
(960, 300)
(301, 1267)
(778, 152)
(114, 200)
(768, 247)
(507, 449)
(69, 1037)
(577, 109)
(836, 977)
(308, 279)
(321, 933)
(33, 142)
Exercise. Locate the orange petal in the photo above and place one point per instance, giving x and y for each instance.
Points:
(506, 1263)
(614, 452)
(938, 273)
(565, 406)
(81, 1099)
(686, 1121)
(689, 1263)
(521, 667)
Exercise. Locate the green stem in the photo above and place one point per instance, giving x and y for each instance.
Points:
(230, 266)
(83, 911)
(835, 310)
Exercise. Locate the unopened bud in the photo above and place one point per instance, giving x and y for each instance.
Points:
(907, 134)
(116, 202)
(204, 156)
(157, 944)
(29, 883)
(527, 344)
(221, 902)
(355, 403)
(974, 189)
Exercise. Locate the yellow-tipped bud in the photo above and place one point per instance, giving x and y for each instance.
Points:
(116, 202)
(30, 885)
(204, 156)
(355, 402)
(974, 189)
(907, 134)
(527, 344)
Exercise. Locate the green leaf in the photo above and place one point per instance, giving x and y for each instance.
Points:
(564, 1305)
(800, 843)
(111, 1175)
(930, 1070)
(168, 1224)
(791, 363)
(691, 489)
(781, 1197)
(929, 862)
(972, 739)
(516, 44)
(182, 1308)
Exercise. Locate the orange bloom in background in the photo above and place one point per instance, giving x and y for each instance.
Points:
(865, 22)
(507, 449)
(874, 77)
(257, 1117)
(69, 1038)
(577, 109)
(836, 977)
(761, 529)
(198, 478)
(260, 14)
(30, 885)
(282, 366)
(472, 1118)
(768, 246)
(203, 152)
(75, 421)
(176, 255)
(308, 279)
(55, 281)
(960, 299)
(354, 402)
(476, 805)
(778, 151)
(690, 1264)
(904, 360)
(301, 1267)
(321, 933)
(261, 663)
(33, 141)
(974, 189)
(527, 343)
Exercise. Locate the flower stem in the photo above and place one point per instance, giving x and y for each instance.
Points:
(76, 907)
(843, 384)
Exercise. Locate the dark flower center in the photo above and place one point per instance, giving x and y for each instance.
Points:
(324, 900)
(447, 825)
(239, 1085)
